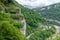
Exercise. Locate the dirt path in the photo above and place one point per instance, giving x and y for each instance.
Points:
(29, 35)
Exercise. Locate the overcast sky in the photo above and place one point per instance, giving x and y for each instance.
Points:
(35, 3)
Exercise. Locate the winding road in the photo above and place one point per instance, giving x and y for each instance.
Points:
(57, 29)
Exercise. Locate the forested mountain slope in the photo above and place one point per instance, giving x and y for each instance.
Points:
(51, 12)
(37, 26)
(9, 28)
(11, 15)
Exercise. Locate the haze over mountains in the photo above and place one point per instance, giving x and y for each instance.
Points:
(37, 3)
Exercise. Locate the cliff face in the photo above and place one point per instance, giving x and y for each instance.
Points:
(9, 6)
(10, 13)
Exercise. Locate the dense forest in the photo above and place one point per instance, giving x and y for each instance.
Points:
(11, 15)
(51, 12)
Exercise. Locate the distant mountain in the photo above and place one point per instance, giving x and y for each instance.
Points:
(56, 5)
(28, 6)
(50, 12)
(33, 7)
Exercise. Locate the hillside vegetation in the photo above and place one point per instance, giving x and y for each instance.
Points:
(10, 25)
(9, 28)
(51, 12)
(36, 25)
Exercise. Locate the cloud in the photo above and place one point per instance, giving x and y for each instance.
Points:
(37, 2)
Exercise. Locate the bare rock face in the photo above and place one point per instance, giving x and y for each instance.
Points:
(23, 29)
(21, 19)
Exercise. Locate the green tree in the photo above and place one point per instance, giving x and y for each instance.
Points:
(9, 32)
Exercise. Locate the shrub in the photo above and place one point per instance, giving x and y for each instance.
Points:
(42, 34)
(9, 32)
(18, 24)
(16, 16)
(4, 16)
(9, 29)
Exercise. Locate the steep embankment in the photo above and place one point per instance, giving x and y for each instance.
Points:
(23, 29)
(31, 21)
(9, 27)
